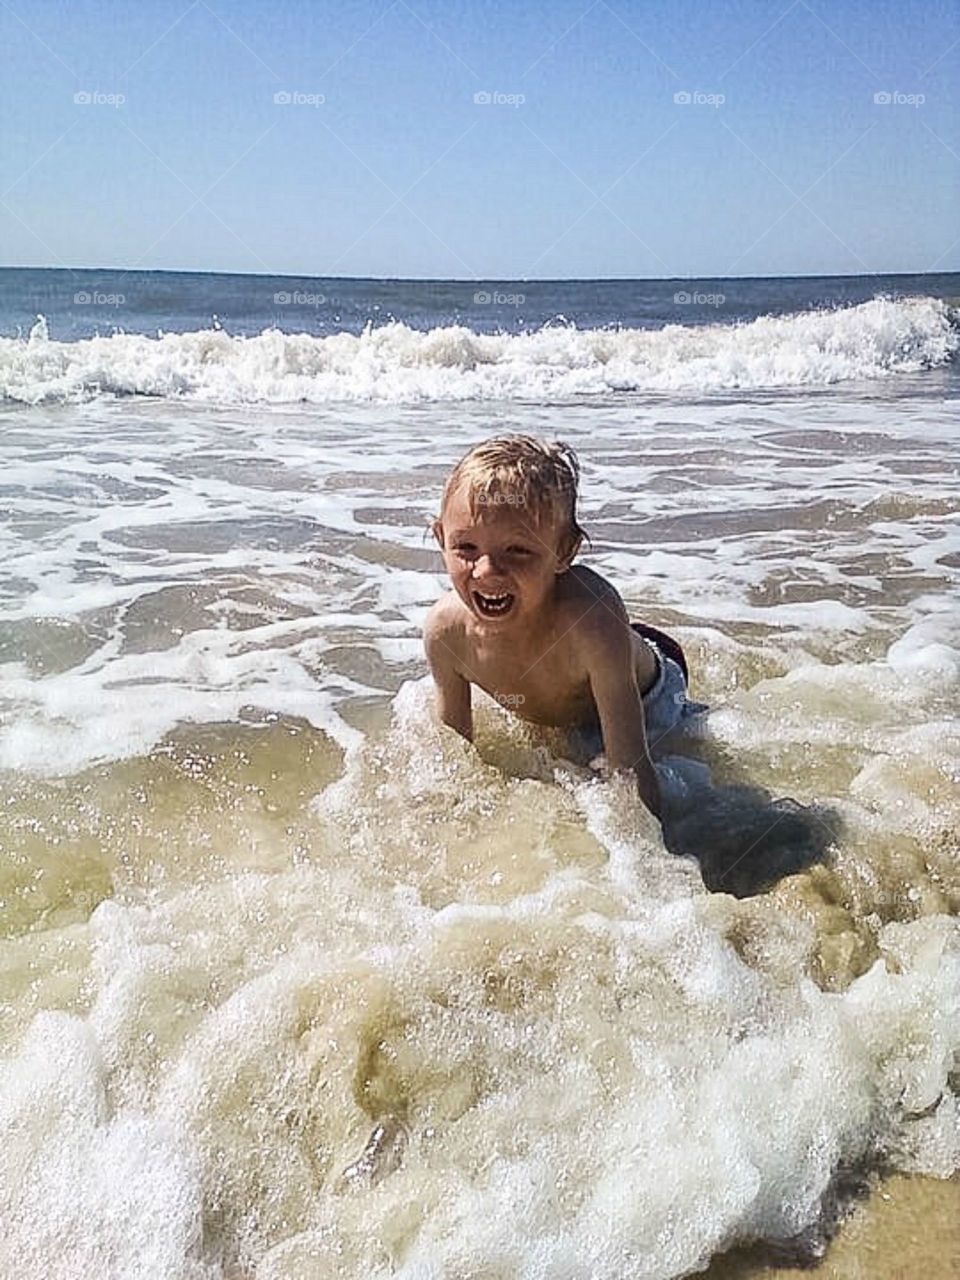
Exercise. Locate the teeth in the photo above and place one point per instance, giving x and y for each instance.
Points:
(495, 604)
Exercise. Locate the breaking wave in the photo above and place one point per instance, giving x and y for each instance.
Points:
(395, 363)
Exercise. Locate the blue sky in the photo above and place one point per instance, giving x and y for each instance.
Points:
(584, 162)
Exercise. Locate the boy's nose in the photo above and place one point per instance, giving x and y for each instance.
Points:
(484, 565)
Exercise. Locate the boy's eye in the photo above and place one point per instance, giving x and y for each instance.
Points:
(518, 551)
(465, 547)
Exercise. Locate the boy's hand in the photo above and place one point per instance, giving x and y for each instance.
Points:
(453, 691)
(611, 664)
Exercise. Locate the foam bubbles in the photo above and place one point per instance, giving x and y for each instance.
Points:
(85, 1191)
(261, 907)
(574, 1058)
(394, 363)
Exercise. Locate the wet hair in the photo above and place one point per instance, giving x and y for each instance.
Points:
(530, 475)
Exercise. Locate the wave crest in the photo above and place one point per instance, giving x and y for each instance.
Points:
(396, 363)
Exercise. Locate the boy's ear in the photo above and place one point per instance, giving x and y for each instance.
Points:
(567, 555)
(436, 529)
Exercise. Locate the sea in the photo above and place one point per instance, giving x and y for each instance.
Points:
(295, 984)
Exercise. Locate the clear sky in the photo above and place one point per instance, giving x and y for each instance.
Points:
(775, 159)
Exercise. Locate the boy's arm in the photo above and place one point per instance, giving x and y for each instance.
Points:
(613, 682)
(453, 691)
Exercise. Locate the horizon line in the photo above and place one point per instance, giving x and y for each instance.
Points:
(473, 280)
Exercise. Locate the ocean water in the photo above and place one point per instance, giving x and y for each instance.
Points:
(293, 982)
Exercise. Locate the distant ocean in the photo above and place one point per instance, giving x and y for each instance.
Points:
(255, 904)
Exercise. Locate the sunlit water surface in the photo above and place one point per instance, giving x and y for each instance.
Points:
(255, 903)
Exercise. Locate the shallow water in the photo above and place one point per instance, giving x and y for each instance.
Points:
(255, 903)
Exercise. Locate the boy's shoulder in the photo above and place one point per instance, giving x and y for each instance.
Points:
(447, 612)
(446, 620)
(586, 597)
(592, 614)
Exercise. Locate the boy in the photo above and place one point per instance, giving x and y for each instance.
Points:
(547, 638)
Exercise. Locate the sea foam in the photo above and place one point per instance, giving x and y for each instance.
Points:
(600, 1074)
(395, 363)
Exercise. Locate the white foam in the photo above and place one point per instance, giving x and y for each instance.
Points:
(396, 363)
(595, 1079)
(108, 710)
(85, 1192)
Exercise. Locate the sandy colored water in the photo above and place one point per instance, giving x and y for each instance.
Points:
(907, 1229)
(508, 968)
(254, 903)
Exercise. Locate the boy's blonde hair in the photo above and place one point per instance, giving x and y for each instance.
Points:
(537, 476)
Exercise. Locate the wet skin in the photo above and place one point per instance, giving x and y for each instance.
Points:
(549, 640)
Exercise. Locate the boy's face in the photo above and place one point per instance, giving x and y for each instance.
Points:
(502, 564)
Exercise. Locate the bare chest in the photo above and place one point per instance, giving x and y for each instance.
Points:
(545, 684)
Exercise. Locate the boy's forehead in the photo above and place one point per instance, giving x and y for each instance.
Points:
(461, 515)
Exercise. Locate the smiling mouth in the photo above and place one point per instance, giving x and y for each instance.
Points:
(497, 606)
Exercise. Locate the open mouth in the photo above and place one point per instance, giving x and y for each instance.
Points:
(497, 606)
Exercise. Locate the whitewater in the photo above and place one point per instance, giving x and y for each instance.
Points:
(395, 363)
(257, 906)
